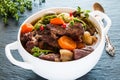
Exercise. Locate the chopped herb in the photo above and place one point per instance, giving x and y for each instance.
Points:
(37, 51)
(71, 22)
(86, 15)
(36, 54)
(79, 9)
(84, 12)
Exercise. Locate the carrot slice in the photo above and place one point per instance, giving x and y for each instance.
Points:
(58, 21)
(67, 43)
(27, 27)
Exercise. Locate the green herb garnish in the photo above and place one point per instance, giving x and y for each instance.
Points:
(84, 12)
(11, 8)
(78, 9)
(71, 22)
(37, 51)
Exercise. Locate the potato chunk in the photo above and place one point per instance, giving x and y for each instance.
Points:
(87, 38)
(66, 55)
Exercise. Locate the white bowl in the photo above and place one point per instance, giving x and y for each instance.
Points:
(60, 70)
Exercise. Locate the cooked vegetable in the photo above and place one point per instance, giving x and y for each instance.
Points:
(64, 25)
(38, 24)
(41, 28)
(27, 27)
(37, 51)
(66, 55)
(71, 14)
(58, 21)
(65, 16)
(46, 19)
(94, 39)
(87, 38)
(66, 43)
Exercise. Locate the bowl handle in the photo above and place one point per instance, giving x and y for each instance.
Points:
(14, 46)
(99, 16)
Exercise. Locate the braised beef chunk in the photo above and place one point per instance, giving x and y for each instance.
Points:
(48, 39)
(79, 53)
(26, 37)
(41, 44)
(45, 36)
(30, 45)
(56, 30)
(50, 57)
(29, 40)
(75, 32)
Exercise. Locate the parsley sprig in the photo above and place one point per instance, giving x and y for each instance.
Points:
(84, 12)
(11, 8)
(37, 51)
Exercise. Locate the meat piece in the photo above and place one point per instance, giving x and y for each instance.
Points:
(45, 32)
(49, 40)
(45, 36)
(50, 57)
(41, 44)
(25, 37)
(30, 36)
(79, 53)
(31, 44)
(75, 32)
(57, 31)
(28, 40)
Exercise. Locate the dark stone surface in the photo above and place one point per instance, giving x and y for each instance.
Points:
(108, 68)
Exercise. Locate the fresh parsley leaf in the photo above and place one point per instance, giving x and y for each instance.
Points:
(37, 51)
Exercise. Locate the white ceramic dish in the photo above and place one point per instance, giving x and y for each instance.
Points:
(60, 70)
